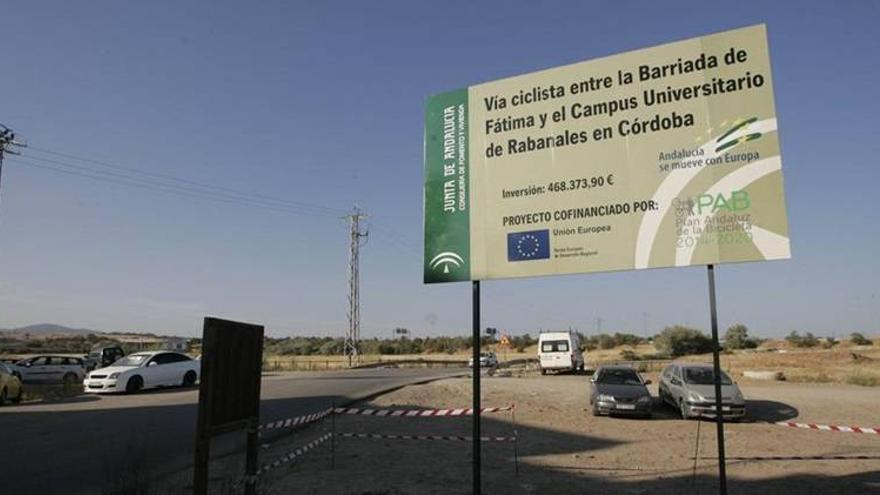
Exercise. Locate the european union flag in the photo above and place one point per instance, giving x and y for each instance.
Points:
(531, 245)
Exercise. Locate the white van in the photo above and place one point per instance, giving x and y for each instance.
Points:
(560, 351)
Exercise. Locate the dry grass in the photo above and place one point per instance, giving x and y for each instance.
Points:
(844, 363)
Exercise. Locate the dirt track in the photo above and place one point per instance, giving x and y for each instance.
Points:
(562, 449)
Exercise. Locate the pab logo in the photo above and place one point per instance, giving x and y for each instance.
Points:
(736, 201)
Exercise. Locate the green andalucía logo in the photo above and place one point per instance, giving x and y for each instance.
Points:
(446, 259)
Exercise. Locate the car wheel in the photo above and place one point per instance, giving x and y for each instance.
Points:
(3, 397)
(189, 379)
(17, 399)
(596, 410)
(134, 385)
(682, 409)
(69, 378)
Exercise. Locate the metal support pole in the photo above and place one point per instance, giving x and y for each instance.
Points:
(515, 441)
(250, 462)
(696, 453)
(200, 465)
(333, 437)
(716, 362)
(476, 387)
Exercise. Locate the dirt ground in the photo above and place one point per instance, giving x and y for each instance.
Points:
(562, 449)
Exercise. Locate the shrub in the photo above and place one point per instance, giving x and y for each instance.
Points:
(858, 339)
(737, 337)
(807, 340)
(629, 355)
(605, 341)
(863, 379)
(627, 339)
(680, 340)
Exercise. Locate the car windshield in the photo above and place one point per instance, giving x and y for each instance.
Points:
(618, 377)
(132, 360)
(704, 376)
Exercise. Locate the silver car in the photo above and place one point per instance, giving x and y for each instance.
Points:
(50, 369)
(690, 388)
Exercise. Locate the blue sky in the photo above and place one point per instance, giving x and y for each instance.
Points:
(322, 103)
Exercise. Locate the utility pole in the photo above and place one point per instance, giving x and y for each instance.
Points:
(352, 339)
(7, 139)
(598, 324)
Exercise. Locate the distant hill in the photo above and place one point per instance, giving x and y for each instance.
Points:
(50, 329)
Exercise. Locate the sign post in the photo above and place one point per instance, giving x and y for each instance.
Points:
(477, 458)
(716, 363)
(229, 393)
(667, 156)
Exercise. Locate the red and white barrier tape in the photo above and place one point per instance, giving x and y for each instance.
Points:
(418, 412)
(844, 429)
(425, 437)
(798, 458)
(287, 458)
(300, 420)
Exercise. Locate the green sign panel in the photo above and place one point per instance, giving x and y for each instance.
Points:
(667, 156)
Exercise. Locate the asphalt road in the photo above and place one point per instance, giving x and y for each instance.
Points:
(79, 445)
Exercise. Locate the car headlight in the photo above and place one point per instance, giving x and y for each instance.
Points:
(113, 376)
(645, 398)
(695, 397)
(738, 396)
(605, 398)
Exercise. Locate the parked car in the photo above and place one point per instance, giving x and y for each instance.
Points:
(619, 390)
(10, 385)
(560, 351)
(50, 369)
(690, 388)
(143, 370)
(487, 360)
(102, 356)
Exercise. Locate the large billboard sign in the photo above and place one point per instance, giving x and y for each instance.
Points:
(666, 156)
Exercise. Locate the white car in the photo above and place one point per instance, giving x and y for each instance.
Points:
(50, 369)
(143, 370)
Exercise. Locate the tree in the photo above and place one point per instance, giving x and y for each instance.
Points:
(807, 340)
(858, 339)
(737, 337)
(680, 340)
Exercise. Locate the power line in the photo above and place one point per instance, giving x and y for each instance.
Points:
(197, 184)
(127, 177)
(180, 191)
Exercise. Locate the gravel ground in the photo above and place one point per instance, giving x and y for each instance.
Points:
(563, 449)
